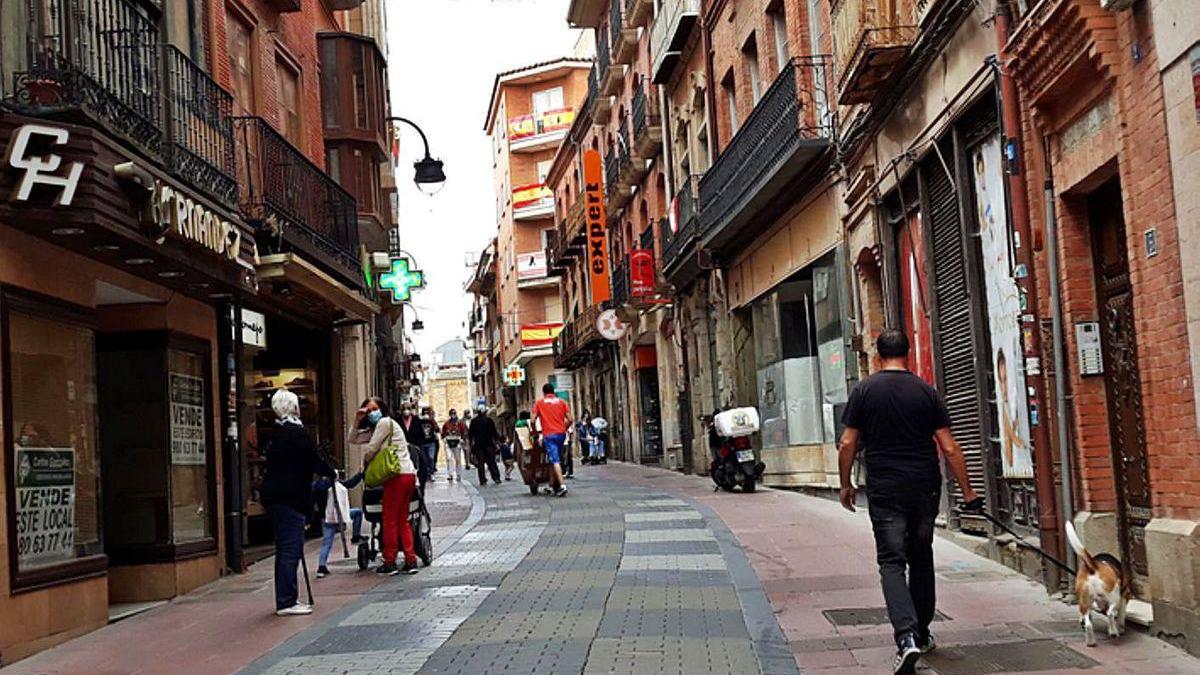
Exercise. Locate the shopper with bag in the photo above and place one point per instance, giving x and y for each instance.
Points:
(292, 459)
(387, 463)
(337, 512)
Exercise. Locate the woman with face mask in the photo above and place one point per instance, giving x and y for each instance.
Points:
(374, 428)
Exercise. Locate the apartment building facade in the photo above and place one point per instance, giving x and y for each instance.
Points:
(529, 113)
(170, 161)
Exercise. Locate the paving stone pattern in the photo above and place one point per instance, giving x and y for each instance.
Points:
(614, 578)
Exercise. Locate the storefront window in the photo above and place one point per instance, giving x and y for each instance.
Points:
(189, 446)
(51, 386)
(800, 358)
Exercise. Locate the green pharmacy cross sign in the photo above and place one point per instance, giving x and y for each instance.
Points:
(400, 280)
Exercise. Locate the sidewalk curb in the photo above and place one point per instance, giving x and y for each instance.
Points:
(299, 640)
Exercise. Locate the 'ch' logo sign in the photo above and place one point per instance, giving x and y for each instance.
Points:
(42, 169)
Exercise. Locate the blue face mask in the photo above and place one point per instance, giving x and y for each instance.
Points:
(374, 416)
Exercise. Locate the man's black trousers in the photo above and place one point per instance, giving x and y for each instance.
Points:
(903, 525)
(487, 456)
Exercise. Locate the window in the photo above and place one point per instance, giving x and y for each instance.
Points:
(187, 393)
(51, 388)
(547, 100)
(357, 67)
(730, 101)
(330, 100)
(287, 94)
(543, 170)
(750, 52)
(779, 28)
(239, 36)
(702, 153)
(333, 163)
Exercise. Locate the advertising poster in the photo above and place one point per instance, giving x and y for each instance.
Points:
(1004, 311)
(45, 506)
(188, 442)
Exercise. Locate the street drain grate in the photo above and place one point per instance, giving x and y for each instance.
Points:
(865, 616)
(1007, 657)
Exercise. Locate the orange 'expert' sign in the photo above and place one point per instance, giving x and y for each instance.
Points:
(597, 228)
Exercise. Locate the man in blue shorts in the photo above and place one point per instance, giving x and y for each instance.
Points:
(553, 418)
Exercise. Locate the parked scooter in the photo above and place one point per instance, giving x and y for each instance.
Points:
(733, 460)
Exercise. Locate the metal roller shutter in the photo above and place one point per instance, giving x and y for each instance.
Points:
(954, 335)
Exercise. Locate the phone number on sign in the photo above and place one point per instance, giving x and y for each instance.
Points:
(45, 542)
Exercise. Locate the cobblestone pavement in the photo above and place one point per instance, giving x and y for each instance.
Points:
(615, 578)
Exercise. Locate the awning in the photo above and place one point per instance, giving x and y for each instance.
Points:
(294, 269)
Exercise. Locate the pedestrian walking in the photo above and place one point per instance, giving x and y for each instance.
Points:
(483, 438)
(454, 433)
(414, 434)
(292, 459)
(381, 433)
(506, 454)
(599, 439)
(430, 439)
(900, 423)
(552, 417)
(584, 433)
(333, 500)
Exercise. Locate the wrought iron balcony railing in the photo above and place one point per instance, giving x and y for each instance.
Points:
(615, 26)
(638, 12)
(620, 282)
(199, 133)
(646, 239)
(603, 57)
(295, 204)
(101, 56)
(612, 170)
(647, 126)
(687, 211)
(791, 126)
(623, 33)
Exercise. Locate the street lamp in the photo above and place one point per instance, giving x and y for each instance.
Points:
(428, 174)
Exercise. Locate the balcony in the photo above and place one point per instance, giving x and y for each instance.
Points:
(532, 202)
(609, 76)
(572, 233)
(871, 45)
(539, 337)
(669, 35)
(647, 125)
(632, 166)
(541, 131)
(639, 12)
(786, 134)
(579, 338)
(621, 283)
(102, 59)
(624, 36)
(679, 246)
(533, 270)
(617, 193)
(602, 111)
(296, 206)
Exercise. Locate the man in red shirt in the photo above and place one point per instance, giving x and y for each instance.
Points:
(553, 418)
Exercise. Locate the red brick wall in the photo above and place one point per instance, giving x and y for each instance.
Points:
(293, 35)
(1136, 139)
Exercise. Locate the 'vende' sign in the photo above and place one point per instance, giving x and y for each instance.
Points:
(597, 228)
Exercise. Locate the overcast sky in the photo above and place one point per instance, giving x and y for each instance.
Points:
(444, 56)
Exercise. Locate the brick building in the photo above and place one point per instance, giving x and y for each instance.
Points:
(1100, 164)
(529, 113)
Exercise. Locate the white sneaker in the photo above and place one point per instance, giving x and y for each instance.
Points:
(298, 609)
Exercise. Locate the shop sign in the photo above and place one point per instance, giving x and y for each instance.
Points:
(401, 280)
(562, 381)
(641, 272)
(42, 169)
(597, 227)
(188, 442)
(172, 211)
(45, 506)
(610, 325)
(254, 329)
(514, 375)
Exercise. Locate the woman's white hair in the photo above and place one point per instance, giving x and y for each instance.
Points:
(285, 404)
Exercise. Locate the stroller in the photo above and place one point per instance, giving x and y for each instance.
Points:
(418, 520)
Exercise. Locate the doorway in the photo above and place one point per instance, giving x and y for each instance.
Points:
(1122, 378)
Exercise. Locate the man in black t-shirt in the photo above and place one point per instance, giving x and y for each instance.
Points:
(901, 422)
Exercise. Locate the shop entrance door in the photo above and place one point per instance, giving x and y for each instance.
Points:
(651, 415)
(1122, 378)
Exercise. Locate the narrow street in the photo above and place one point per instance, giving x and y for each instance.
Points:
(638, 570)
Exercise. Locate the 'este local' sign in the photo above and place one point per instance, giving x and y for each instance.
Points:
(597, 226)
(45, 506)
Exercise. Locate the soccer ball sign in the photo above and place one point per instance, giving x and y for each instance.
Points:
(610, 325)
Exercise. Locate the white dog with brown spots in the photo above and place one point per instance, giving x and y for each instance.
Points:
(1100, 584)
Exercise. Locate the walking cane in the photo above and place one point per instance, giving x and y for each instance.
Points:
(307, 583)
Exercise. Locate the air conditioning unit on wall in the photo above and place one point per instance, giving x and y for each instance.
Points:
(1116, 5)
